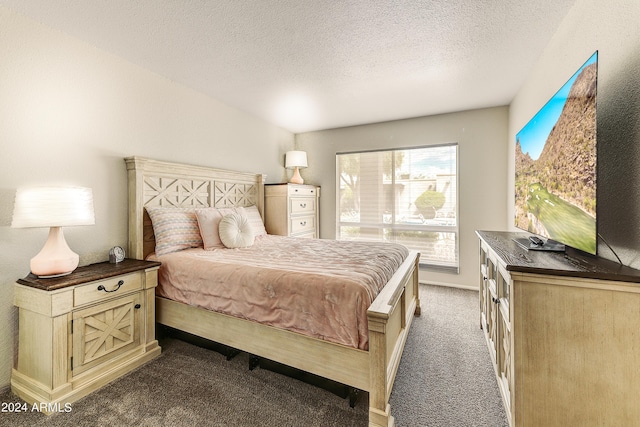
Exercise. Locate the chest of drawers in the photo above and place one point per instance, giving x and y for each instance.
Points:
(292, 210)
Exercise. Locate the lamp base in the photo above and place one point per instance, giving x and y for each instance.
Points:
(56, 258)
(296, 178)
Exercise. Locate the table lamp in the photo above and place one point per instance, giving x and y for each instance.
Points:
(296, 159)
(53, 207)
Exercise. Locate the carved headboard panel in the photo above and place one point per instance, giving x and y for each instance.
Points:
(158, 183)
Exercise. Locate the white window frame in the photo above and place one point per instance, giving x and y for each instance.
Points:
(454, 229)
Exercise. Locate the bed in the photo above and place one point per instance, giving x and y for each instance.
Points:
(370, 367)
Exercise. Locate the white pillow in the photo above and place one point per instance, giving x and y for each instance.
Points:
(254, 218)
(235, 231)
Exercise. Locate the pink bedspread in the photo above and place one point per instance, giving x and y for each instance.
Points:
(321, 288)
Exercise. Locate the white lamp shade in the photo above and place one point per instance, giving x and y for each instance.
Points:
(53, 207)
(295, 158)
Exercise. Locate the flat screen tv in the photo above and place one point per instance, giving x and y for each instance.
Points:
(555, 167)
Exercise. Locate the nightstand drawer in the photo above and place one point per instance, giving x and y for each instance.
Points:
(302, 190)
(302, 205)
(104, 289)
(303, 224)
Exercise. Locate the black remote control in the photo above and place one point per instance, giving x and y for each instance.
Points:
(536, 240)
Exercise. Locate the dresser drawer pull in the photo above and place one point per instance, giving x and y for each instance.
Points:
(303, 205)
(137, 306)
(303, 223)
(102, 288)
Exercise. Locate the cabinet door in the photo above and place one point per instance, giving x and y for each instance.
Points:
(492, 321)
(104, 331)
(503, 288)
(483, 302)
(484, 288)
(504, 357)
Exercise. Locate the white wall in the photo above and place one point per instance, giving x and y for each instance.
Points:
(613, 29)
(482, 163)
(70, 112)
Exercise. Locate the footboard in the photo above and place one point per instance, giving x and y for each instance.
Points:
(389, 319)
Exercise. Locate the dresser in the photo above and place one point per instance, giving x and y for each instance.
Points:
(563, 334)
(292, 210)
(81, 331)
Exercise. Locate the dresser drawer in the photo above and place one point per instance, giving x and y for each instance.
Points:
(302, 205)
(309, 235)
(104, 289)
(302, 190)
(303, 224)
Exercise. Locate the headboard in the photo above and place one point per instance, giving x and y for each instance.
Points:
(159, 183)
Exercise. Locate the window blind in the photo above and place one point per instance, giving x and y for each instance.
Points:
(407, 196)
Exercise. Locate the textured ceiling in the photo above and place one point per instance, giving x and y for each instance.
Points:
(308, 65)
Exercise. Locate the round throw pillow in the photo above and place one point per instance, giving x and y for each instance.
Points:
(235, 231)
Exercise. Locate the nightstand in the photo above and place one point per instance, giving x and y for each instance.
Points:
(79, 332)
(292, 210)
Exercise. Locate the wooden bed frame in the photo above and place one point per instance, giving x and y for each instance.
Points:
(157, 183)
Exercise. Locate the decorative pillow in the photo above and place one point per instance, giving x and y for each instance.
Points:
(235, 231)
(209, 221)
(253, 215)
(175, 229)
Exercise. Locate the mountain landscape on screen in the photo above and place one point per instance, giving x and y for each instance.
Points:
(556, 192)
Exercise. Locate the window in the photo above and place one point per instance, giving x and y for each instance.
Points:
(408, 196)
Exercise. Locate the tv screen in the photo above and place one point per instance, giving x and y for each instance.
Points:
(555, 165)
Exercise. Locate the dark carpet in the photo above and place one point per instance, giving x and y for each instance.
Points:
(445, 379)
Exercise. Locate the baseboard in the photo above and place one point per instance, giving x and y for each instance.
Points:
(451, 285)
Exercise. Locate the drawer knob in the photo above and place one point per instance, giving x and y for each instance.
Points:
(303, 223)
(303, 205)
(137, 306)
(102, 288)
